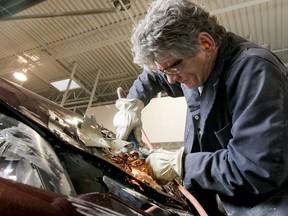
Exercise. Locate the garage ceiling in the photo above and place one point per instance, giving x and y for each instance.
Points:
(89, 40)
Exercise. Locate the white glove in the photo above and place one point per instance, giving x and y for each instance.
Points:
(90, 134)
(128, 119)
(164, 165)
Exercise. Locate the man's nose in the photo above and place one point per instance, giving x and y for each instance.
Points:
(172, 78)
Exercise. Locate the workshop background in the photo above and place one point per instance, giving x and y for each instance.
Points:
(88, 41)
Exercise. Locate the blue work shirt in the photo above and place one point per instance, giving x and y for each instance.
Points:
(236, 134)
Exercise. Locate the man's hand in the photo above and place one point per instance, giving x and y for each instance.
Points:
(128, 119)
(164, 165)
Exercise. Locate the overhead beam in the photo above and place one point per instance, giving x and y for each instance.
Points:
(61, 14)
(94, 89)
(69, 83)
(238, 6)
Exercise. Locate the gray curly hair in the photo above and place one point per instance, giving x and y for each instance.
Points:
(172, 26)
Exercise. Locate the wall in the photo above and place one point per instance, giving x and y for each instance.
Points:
(163, 119)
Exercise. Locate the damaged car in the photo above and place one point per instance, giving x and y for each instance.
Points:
(51, 163)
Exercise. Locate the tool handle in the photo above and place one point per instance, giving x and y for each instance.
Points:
(131, 138)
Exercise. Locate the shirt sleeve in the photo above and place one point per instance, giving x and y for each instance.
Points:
(149, 84)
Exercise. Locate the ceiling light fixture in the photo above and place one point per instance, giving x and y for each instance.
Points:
(21, 75)
(61, 85)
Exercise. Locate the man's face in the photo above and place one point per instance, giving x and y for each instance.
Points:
(192, 72)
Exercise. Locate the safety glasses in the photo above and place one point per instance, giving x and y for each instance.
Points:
(173, 69)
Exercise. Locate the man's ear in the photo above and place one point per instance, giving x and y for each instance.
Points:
(206, 41)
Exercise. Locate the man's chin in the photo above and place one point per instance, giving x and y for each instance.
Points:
(189, 85)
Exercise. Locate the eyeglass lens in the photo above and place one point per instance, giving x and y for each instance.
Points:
(173, 69)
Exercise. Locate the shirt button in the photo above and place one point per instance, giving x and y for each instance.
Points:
(196, 117)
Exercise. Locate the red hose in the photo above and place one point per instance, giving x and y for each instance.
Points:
(191, 198)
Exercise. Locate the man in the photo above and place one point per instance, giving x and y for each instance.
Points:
(236, 137)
